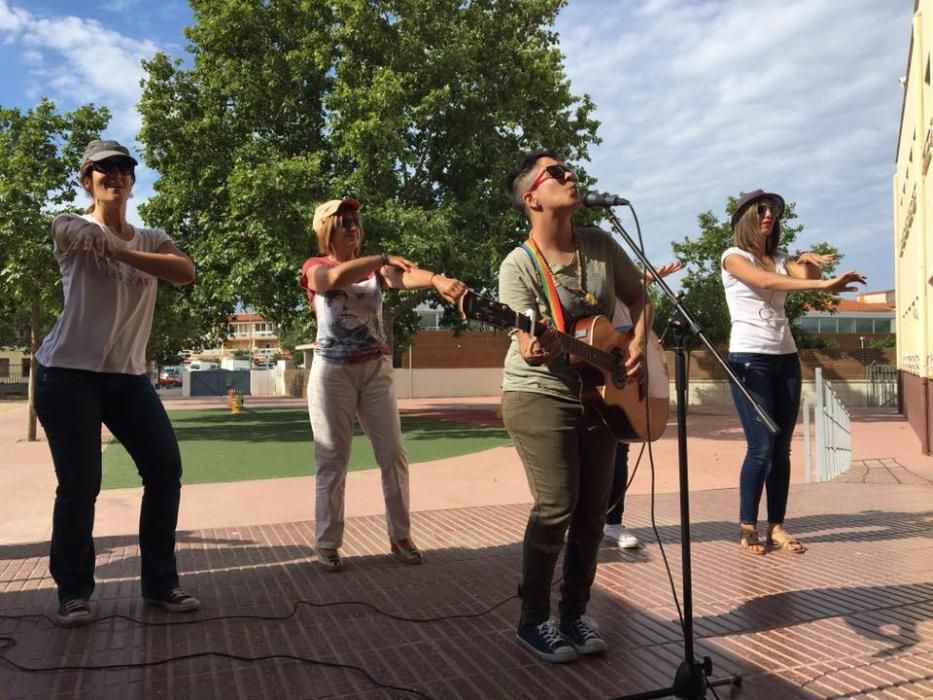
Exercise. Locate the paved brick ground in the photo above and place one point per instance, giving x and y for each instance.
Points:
(849, 619)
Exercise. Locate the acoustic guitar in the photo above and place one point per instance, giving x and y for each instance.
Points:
(633, 411)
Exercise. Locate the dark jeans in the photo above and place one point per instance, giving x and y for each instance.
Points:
(619, 482)
(72, 404)
(567, 453)
(774, 381)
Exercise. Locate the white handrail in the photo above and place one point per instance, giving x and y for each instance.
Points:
(833, 438)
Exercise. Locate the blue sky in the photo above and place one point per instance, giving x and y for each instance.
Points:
(698, 99)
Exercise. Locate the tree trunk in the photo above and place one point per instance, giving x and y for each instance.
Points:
(33, 346)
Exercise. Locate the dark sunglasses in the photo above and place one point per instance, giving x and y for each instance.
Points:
(765, 206)
(558, 171)
(347, 222)
(118, 165)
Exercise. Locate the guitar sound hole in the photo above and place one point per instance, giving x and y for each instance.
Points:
(618, 374)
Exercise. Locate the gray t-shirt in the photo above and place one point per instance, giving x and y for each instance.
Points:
(107, 318)
(609, 274)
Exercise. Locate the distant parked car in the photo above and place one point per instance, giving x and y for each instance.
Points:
(169, 378)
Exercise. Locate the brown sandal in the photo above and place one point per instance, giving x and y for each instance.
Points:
(779, 538)
(748, 538)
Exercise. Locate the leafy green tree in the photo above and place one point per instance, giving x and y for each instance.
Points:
(702, 283)
(416, 107)
(40, 150)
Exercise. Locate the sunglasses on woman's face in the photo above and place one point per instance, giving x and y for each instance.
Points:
(765, 207)
(557, 171)
(118, 165)
(348, 222)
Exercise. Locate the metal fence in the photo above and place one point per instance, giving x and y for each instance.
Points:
(832, 453)
(882, 384)
(14, 384)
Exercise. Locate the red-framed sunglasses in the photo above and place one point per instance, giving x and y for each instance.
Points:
(557, 171)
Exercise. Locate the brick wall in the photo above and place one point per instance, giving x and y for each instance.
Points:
(470, 349)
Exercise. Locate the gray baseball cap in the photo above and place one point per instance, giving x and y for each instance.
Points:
(99, 150)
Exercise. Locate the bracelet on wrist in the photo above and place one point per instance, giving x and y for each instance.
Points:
(385, 258)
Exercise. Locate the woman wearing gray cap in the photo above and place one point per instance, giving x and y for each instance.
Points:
(757, 277)
(351, 376)
(92, 371)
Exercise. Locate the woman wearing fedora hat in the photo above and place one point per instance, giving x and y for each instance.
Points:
(92, 371)
(757, 278)
(351, 376)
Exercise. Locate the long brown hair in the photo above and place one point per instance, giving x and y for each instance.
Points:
(747, 232)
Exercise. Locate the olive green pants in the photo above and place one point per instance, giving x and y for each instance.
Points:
(568, 457)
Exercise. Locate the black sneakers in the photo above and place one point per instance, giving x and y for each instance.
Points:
(583, 635)
(73, 613)
(545, 641)
(176, 601)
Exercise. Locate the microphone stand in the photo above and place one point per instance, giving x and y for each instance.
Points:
(692, 677)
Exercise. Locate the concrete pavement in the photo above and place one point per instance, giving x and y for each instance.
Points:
(492, 477)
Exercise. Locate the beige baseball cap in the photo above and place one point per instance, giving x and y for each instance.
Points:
(329, 209)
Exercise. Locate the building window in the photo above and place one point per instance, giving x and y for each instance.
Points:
(883, 325)
(810, 325)
(846, 325)
(827, 325)
(864, 325)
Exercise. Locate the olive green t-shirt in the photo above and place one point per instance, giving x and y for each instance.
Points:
(609, 274)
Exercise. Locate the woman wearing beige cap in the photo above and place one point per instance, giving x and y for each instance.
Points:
(351, 376)
(92, 370)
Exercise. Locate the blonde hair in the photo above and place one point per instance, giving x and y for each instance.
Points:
(330, 226)
(747, 232)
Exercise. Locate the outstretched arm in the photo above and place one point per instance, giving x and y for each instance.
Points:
(449, 288)
(744, 271)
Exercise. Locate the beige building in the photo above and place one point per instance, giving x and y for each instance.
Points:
(913, 229)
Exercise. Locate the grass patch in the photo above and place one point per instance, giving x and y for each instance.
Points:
(269, 443)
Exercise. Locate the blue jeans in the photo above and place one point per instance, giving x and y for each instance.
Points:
(72, 404)
(619, 482)
(774, 381)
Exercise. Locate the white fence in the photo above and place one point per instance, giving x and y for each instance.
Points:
(832, 453)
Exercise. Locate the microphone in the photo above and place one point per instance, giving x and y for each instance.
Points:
(603, 199)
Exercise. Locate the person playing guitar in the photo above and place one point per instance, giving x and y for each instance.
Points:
(562, 273)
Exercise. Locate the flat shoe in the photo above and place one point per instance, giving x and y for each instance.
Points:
(329, 559)
(748, 538)
(407, 554)
(780, 539)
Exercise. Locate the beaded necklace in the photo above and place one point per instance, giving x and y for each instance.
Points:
(588, 297)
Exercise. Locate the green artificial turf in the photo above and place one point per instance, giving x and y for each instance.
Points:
(267, 443)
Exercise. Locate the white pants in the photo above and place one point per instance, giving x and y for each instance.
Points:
(337, 394)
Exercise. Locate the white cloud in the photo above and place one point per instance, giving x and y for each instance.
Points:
(119, 5)
(700, 100)
(87, 62)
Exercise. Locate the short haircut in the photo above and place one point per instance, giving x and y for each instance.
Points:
(330, 225)
(519, 180)
(748, 230)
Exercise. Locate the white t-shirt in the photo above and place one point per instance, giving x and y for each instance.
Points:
(349, 318)
(105, 324)
(758, 320)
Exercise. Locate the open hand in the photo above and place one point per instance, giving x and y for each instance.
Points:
(816, 259)
(844, 283)
(663, 271)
